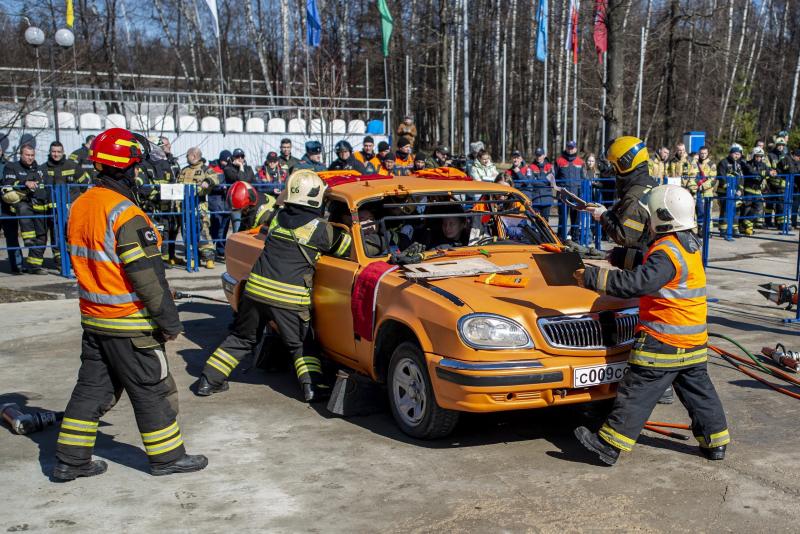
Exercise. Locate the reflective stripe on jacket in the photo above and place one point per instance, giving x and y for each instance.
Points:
(104, 290)
(676, 314)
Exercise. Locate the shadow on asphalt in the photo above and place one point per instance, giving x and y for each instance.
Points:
(105, 447)
(748, 325)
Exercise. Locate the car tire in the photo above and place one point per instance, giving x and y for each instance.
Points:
(411, 396)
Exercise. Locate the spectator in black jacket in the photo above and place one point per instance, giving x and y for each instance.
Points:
(345, 161)
(237, 171)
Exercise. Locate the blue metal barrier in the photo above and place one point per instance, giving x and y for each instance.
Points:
(48, 214)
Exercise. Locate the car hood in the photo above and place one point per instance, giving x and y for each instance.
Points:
(537, 300)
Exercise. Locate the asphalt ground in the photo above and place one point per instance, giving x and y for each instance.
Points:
(279, 465)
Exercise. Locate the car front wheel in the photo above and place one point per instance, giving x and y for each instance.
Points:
(411, 396)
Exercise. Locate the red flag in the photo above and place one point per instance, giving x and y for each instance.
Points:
(572, 29)
(600, 29)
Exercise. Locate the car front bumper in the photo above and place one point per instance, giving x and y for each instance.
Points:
(525, 384)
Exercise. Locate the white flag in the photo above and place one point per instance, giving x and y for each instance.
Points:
(212, 5)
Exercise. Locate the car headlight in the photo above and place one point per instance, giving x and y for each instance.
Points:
(486, 331)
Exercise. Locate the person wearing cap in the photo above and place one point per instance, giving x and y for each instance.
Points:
(778, 160)
(439, 158)
(706, 179)
(345, 161)
(541, 184)
(407, 129)
(387, 166)
(367, 157)
(404, 159)
(238, 171)
(81, 157)
(729, 171)
(474, 148)
(383, 149)
(272, 172)
(286, 159)
(204, 179)
(670, 348)
(756, 171)
(519, 171)
(312, 159)
(216, 204)
(569, 175)
(792, 167)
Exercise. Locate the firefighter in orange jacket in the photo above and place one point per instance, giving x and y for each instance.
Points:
(671, 345)
(127, 315)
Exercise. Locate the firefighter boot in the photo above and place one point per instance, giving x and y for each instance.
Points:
(188, 464)
(607, 454)
(206, 388)
(668, 397)
(714, 453)
(66, 472)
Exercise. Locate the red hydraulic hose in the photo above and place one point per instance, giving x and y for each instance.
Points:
(729, 356)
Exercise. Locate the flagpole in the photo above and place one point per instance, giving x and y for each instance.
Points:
(408, 101)
(366, 93)
(466, 76)
(544, 110)
(639, 96)
(387, 116)
(565, 114)
(503, 131)
(603, 102)
(575, 105)
(451, 82)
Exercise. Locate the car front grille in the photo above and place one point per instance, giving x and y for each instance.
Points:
(600, 330)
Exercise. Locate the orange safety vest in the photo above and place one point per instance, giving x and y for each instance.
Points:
(374, 161)
(403, 167)
(677, 313)
(103, 288)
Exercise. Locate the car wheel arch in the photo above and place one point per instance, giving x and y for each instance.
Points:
(389, 335)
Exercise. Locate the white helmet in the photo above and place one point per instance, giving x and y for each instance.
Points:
(305, 188)
(671, 209)
(758, 151)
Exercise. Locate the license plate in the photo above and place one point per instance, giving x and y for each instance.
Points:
(583, 377)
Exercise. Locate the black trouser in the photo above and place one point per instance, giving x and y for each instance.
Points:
(293, 327)
(11, 231)
(219, 222)
(639, 392)
(51, 230)
(110, 365)
(33, 232)
(171, 225)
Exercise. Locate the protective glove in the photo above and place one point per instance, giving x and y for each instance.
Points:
(596, 211)
(415, 253)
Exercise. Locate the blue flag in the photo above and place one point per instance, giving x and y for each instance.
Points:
(541, 31)
(313, 24)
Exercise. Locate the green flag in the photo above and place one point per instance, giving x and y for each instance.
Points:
(386, 25)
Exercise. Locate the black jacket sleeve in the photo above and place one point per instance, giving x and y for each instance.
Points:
(626, 222)
(645, 279)
(137, 248)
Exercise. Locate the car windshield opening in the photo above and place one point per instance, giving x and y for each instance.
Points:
(445, 220)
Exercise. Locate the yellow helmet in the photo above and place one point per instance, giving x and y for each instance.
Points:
(626, 153)
(11, 196)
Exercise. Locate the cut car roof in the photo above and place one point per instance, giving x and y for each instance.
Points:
(363, 187)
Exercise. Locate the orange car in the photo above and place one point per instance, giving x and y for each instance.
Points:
(440, 337)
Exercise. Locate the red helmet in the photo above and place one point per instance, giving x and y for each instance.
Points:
(116, 147)
(242, 195)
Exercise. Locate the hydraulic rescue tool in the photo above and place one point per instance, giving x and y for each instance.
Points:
(780, 294)
(779, 354)
(28, 423)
